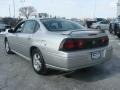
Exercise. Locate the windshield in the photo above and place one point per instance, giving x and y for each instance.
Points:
(61, 25)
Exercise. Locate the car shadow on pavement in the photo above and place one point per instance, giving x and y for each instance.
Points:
(99, 72)
(92, 74)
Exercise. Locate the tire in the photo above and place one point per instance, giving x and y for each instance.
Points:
(118, 35)
(7, 47)
(38, 62)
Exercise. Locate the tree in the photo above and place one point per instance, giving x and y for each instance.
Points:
(27, 11)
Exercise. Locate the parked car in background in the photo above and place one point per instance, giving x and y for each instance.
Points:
(89, 23)
(59, 44)
(3, 26)
(99, 19)
(81, 22)
(118, 31)
(95, 20)
(102, 25)
(113, 26)
(11, 21)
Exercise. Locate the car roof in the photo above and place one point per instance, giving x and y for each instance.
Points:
(42, 19)
(52, 19)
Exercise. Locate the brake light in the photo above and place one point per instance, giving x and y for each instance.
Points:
(69, 44)
(80, 43)
(72, 44)
(105, 39)
(83, 43)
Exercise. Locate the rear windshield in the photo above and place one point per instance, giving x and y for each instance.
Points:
(61, 25)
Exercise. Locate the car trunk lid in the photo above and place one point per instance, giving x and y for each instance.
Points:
(84, 39)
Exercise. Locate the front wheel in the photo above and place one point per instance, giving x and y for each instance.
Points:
(38, 62)
(7, 47)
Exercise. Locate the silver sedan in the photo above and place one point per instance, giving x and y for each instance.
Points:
(58, 44)
(102, 25)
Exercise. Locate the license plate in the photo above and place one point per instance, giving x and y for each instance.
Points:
(96, 55)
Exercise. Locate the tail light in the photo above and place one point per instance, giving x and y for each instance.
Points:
(105, 40)
(72, 44)
(84, 43)
(80, 44)
(69, 44)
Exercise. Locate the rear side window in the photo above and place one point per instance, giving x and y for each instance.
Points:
(29, 26)
(104, 22)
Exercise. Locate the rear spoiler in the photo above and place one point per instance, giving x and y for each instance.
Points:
(91, 32)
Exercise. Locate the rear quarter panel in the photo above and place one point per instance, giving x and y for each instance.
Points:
(48, 43)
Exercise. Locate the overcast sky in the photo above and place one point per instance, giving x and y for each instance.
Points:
(65, 8)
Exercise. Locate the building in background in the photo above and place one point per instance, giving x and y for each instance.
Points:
(42, 15)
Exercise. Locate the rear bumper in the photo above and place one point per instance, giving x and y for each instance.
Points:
(69, 61)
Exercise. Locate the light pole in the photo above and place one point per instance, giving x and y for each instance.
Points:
(118, 8)
(9, 10)
(14, 8)
(94, 12)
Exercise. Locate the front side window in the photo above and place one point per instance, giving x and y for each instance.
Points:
(104, 22)
(61, 25)
(29, 27)
(19, 27)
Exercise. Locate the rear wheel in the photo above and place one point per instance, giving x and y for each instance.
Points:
(7, 47)
(38, 62)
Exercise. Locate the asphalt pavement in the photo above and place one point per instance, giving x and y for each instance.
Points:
(16, 73)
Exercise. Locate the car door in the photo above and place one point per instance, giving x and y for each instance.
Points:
(25, 37)
(102, 26)
(12, 37)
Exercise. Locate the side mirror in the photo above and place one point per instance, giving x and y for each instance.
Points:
(11, 31)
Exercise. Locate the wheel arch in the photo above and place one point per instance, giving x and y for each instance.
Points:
(32, 48)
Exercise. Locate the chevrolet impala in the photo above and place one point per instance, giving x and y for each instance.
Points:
(58, 44)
